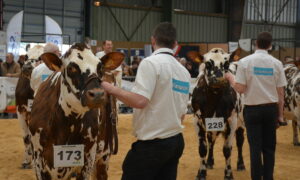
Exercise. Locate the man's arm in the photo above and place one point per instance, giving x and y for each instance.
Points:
(240, 88)
(129, 98)
(280, 92)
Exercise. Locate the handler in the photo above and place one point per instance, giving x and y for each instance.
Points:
(160, 96)
(261, 78)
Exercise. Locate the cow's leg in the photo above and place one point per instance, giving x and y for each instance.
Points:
(239, 134)
(200, 128)
(296, 126)
(229, 136)
(26, 164)
(211, 138)
(101, 168)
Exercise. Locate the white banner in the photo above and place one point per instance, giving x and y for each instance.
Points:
(7, 92)
(53, 28)
(245, 44)
(14, 32)
(233, 46)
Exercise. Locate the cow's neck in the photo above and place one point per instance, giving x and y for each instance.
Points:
(69, 102)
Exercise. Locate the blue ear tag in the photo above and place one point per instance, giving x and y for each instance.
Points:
(44, 77)
(180, 86)
(263, 71)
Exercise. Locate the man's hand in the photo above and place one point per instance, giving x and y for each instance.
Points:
(229, 77)
(8, 75)
(107, 87)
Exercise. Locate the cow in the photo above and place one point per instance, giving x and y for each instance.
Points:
(68, 112)
(292, 98)
(213, 98)
(24, 98)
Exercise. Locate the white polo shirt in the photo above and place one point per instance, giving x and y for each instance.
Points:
(262, 74)
(38, 75)
(165, 82)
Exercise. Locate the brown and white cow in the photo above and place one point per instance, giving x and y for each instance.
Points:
(292, 98)
(24, 98)
(213, 97)
(68, 110)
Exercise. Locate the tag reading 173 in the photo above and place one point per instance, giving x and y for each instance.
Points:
(68, 155)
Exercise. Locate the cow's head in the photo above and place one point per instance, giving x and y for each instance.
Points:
(82, 72)
(214, 65)
(32, 59)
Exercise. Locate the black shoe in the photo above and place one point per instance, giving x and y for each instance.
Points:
(284, 123)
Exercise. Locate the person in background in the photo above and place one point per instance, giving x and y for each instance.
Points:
(183, 61)
(160, 97)
(10, 68)
(41, 72)
(107, 46)
(21, 60)
(1, 61)
(288, 60)
(260, 77)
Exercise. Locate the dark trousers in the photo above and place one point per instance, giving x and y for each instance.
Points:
(261, 132)
(154, 159)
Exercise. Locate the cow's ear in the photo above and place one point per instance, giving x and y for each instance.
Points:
(235, 55)
(112, 60)
(195, 56)
(52, 61)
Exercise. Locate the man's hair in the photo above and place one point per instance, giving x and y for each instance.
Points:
(165, 35)
(50, 47)
(264, 40)
(104, 42)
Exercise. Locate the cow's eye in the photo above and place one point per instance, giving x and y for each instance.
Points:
(99, 69)
(72, 70)
(226, 65)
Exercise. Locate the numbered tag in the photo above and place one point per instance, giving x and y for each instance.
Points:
(68, 155)
(214, 124)
(29, 104)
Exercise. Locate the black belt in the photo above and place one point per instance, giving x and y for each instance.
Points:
(262, 105)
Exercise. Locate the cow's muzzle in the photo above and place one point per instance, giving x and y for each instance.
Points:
(94, 98)
(217, 82)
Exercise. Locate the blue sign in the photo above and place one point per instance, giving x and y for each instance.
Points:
(180, 86)
(263, 71)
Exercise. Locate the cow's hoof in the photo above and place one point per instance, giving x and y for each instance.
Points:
(228, 177)
(208, 166)
(201, 175)
(26, 166)
(241, 167)
(296, 144)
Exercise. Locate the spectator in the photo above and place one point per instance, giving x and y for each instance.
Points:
(183, 61)
(191, 70)
(21, 60)
(288, 60)
(297, 61)
(10, 68)
(134, 67)
(107, 46)
(1, 61)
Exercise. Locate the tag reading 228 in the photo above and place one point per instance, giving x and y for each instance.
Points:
(214, 124)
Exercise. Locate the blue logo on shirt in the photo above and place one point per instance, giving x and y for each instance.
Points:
(263, 71)
(180, 86)
(44, 77)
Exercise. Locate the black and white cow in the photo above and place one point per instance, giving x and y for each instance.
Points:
(69, 109)
(214, 99)
(24, 98)
(292, 98)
